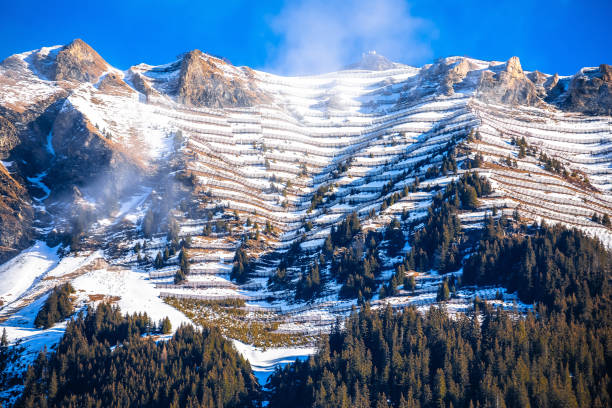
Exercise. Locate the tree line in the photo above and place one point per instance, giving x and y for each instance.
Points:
(557, 355)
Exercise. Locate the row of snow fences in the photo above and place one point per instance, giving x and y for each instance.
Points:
(604, 130)
(593, 201)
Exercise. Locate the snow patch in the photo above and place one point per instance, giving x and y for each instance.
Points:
(264, 361)
(18, 274)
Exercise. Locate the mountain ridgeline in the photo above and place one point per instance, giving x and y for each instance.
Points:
(57, 104)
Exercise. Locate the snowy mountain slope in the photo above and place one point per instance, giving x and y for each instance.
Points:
(220, 149)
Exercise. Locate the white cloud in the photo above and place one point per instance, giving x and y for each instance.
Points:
(324, 35)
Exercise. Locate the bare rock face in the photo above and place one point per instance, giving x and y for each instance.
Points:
(142, 86)
(77, 61)
(43, 63)
(543, 83)
(446, 76)
(16, 216)
(85, 158)
(439, 73)
(82, 153)
(439, 78)
(112, 84)
(514, 68)
(22, 141)
(8, 137)
(454, 74)
(590, 91)
(551, 82)
(16, 213)
(536, 77)
(508, 86)
(203, 83)
(33, 126)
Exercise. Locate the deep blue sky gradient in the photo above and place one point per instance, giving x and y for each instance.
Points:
(559, 36)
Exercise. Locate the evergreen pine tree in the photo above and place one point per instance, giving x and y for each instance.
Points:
(166, 325)
(159, 261)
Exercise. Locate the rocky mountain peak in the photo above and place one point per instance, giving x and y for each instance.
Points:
(513, 68)
(508, 86)
(190, 56)
(77, 61)
(372, 61)
(202, 82)
(606, 72)
(447, 73)
(537, 77)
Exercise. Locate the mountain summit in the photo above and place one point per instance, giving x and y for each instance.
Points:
(371, 61)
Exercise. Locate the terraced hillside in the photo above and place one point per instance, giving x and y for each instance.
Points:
(189, 171)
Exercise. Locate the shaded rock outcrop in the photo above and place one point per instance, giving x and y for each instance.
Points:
(83, 154)
(33, 127)
(8, 137)
(16, 216)
(141, 85)
(543, 83)
(16, 213)
(112, 84)
(590, 91)
(23, 137)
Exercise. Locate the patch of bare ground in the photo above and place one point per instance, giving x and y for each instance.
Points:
(257, 328)
(104, 298)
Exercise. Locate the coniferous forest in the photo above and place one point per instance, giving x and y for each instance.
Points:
(386, 359)
(103, 361)
(559, 355)
(564, 269)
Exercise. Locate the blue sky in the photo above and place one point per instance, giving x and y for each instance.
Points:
(315, 35)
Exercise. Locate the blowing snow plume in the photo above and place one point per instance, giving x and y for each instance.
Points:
(320, 36)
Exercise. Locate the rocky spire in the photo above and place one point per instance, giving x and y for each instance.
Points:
(513, 68)
(509, 86)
